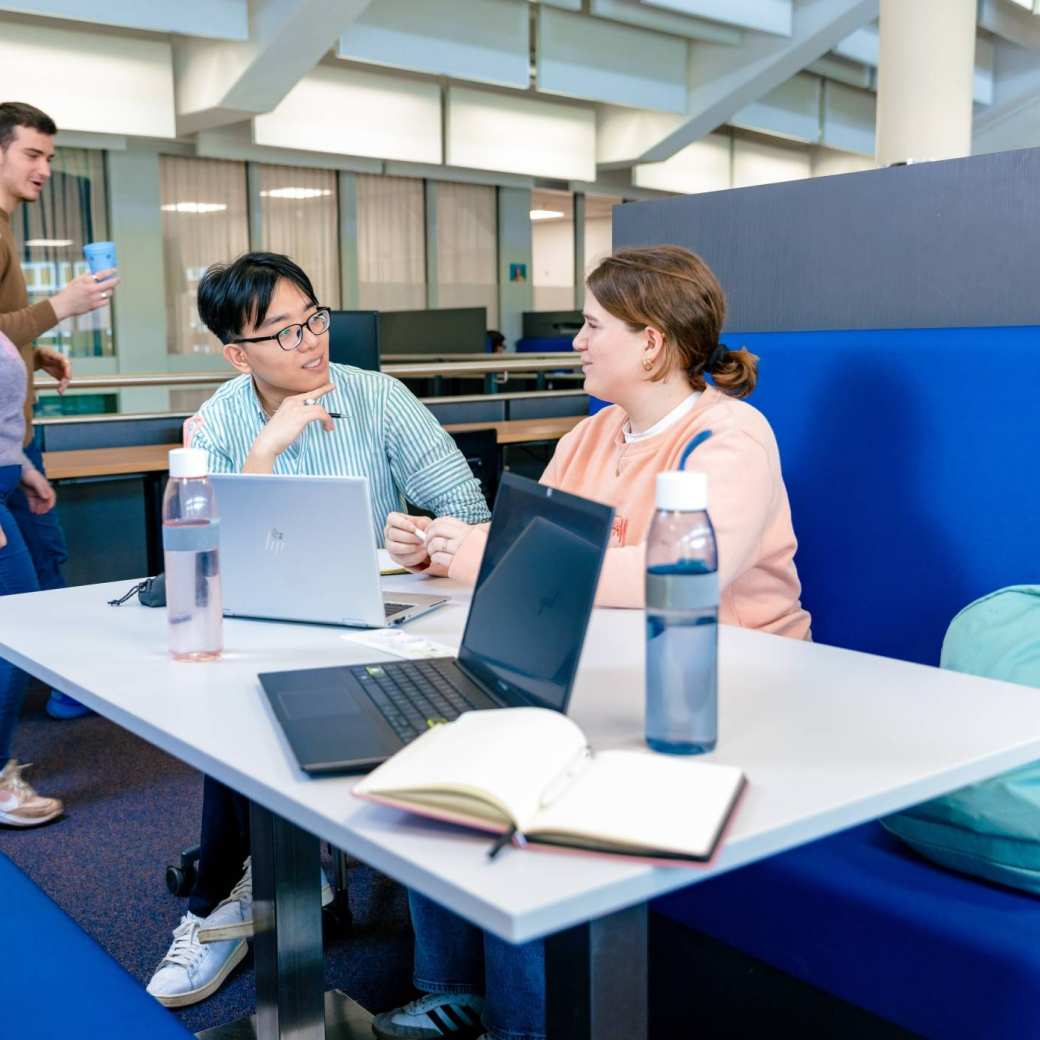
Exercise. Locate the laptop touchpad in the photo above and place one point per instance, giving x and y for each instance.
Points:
(317, 703)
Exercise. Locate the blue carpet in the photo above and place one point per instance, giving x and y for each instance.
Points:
(130, 810)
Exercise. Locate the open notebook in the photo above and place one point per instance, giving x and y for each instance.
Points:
(531, 770)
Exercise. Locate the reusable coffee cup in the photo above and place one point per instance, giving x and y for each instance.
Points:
(101, 256)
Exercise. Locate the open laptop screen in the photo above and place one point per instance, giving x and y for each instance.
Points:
(534, 594)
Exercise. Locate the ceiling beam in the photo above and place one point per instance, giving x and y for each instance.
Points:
(1014, 24)
(1013, 120)
(218, 83)
(721, 82)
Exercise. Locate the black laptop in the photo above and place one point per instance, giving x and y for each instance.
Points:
(523, 639)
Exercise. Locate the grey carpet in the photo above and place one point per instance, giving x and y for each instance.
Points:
(130, 809)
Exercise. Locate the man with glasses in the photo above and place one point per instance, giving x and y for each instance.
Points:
(291, 411)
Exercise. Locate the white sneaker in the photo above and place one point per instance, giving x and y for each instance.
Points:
(190, 972)
(232, 918)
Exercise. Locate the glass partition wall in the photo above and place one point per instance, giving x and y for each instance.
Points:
(51, 233)
(204, 220)
(391, 243)
(299, 216)
(467, 248)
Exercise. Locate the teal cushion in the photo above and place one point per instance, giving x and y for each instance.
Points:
(990, 829)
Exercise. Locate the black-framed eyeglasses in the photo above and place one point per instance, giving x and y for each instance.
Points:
(291, 336)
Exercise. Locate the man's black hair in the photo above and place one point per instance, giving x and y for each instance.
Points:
(16, 113)
(236, 294)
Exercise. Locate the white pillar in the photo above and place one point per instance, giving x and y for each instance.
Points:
(925, 71)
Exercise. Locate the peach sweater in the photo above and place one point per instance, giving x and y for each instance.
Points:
(747, 502)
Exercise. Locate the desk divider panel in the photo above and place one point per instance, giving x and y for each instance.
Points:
(898, 325)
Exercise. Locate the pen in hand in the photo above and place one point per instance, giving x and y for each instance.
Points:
(336, 415)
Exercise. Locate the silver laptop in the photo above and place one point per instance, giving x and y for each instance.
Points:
(303, 549)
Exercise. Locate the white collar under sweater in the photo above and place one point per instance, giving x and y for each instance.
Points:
(661, 425)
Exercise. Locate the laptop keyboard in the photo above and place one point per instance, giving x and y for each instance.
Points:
(394, 608)
(412, 695)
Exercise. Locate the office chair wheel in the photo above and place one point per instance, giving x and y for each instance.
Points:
(337, 918)
(178, 881)
(181, 877)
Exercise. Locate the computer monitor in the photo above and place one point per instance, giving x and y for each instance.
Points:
(550, 324)
(448, 330)
(354, 339)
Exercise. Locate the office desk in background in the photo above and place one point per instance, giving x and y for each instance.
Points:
(828, 739)
(152, 458)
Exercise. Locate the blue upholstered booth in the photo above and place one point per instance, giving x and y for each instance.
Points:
(59, 983)
(910, 460)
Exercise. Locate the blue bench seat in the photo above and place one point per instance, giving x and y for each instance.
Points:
(59, 983)
(863, 918)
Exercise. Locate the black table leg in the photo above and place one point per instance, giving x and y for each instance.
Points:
(596, 979)
(154, 485)
(287, 949)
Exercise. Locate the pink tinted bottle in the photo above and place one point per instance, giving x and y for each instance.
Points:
(191, 545)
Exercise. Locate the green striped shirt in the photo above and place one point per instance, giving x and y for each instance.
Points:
(386, 435)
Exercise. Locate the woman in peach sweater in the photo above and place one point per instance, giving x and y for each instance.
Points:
(652, 322)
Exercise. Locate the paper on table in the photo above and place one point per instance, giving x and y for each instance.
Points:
(387, 564)
(400, 643)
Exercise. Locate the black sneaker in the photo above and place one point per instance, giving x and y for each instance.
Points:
(431, 1017)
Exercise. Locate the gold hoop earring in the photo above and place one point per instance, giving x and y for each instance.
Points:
(647, 363)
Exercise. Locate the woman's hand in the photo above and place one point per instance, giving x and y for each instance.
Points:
(293, 414)
(405, 545)
(444, 536)
(38, 491)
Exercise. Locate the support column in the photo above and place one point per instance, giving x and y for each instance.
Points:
(348, 247)
(514, 254)
(432, 280)
(925, 72)
(139, 307)
(579, 250)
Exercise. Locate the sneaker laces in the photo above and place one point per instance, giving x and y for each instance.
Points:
(185, 951)
(243, 890)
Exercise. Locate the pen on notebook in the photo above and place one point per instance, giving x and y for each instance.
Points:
(504, 839)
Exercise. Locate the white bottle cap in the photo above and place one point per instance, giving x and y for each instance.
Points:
(189, 462)
(681, 490)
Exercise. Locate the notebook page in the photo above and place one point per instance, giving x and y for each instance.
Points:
(509, 754)
(644, 801)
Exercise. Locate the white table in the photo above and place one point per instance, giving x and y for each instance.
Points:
(828, 739)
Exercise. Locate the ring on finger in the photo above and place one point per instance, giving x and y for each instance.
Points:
(310, 401)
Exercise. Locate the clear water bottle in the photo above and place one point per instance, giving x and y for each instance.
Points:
(682, 608)
(191, 544)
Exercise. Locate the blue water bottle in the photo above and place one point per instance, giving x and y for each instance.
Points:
(682, 608)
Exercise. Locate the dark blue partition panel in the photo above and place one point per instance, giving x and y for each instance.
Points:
(933, 245)
(910, 457)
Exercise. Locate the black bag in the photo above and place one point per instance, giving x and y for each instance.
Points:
(151, 592)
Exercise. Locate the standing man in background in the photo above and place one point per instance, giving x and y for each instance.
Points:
(26, 151)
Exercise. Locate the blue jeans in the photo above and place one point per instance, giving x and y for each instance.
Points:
(42, 531)
(453, 956)
(17, 574)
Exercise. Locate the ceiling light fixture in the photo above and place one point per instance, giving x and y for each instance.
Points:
(194, 207)
(49, 243)
(546, 214)
(296, 193)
